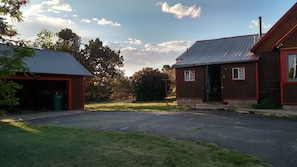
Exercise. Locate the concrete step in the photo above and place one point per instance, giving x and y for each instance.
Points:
(212, 105)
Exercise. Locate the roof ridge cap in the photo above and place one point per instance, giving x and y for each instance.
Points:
(239, 36)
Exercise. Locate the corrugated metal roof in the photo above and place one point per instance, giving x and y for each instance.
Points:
(218, 51)
(54, 62)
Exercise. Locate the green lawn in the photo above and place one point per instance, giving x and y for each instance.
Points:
(30, 145)
(136, 106)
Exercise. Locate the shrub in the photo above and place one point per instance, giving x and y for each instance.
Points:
(266, 104)
(147, 85)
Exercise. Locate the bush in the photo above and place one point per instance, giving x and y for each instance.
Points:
(147, 85)
(266, 104)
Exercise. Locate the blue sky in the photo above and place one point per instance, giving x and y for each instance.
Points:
(150, 33)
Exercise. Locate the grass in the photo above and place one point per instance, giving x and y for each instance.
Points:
(130, 106)
(31, 145)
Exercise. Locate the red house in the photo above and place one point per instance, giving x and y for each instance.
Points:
(242, 70)
(53, 73)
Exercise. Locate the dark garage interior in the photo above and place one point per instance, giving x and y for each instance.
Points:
(43, 95)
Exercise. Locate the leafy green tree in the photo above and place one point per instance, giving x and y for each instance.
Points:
(104, 63)
(68, 42)
(121, 88)
(44, 40)
(148, 85)
(11, 58)
(170, 71)
(12, 61)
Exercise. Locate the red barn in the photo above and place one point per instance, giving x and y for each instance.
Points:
(242, 70)
(56, 82)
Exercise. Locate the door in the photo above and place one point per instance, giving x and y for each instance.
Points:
(212, 83)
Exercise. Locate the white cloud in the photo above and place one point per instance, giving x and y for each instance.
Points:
(103, 21)
(117, 24)
(176, 45)
(255, 23)
(113, 45)
(33, 24)
(266, 26)
(179, 10)
(135, 41)
(129, 48)
(137, 57)
(152, 55)
(51, 5)
(53, 20)
(85, 21)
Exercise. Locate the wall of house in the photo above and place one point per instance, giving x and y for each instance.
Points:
(240, 92)
(273, 70)
(288, 86)
(269, 76)
(289, 93)
(189, 92)
(278, 32)
(269, 63)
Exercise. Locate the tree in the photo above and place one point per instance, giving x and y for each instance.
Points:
(104, 63)
(44, 40)
(122, 87)
(148, 85)
(170, 71)
(10, 8)
(12, 58)
(68, 42)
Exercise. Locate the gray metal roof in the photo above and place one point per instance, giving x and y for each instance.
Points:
(218, 51)
(54, 62)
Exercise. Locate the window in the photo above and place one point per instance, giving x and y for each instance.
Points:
(292, 66)
(189, 75)
(238, 73)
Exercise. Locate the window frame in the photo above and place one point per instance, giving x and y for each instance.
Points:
(288, 67)
(239, 77)
(187, 78)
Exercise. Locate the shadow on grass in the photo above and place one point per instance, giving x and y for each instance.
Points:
(58, 146)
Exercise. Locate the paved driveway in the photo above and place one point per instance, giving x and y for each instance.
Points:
(272, 139)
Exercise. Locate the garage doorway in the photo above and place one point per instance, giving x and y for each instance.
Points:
(39, 94)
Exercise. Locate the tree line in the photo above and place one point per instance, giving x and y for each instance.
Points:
(108, 80)
(104, 63)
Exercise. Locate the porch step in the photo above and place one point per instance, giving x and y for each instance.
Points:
(212, 106)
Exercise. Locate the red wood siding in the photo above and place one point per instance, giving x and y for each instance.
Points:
(269, 76)
(282, 27)
(193, 89)
(239, 89)
(73, 91)
(288, 87)
(77, 93)
(289, 93)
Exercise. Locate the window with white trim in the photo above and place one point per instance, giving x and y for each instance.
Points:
(238, 73)
(292, 66)
(189, 75)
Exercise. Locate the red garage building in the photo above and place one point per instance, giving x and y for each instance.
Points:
(54, 75)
